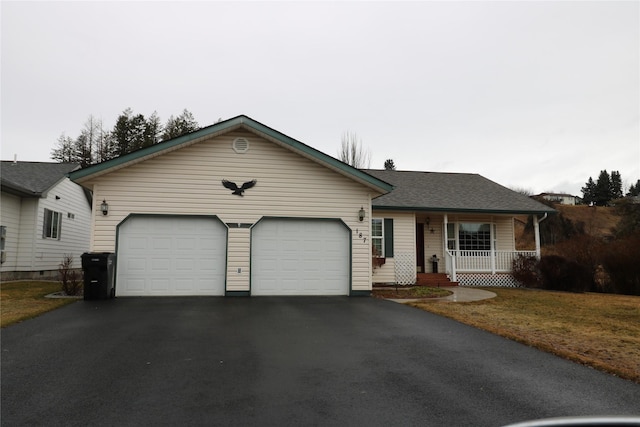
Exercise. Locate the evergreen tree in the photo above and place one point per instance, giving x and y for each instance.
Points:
(153, 130)
(389, 165)
(180, 125)
(616, 185)
(603, 189)
(634, 190)
(589, 192)
(64, 152)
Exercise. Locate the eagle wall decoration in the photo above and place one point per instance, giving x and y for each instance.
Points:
(238, 190)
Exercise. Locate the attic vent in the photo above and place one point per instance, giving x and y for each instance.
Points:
(240, 145)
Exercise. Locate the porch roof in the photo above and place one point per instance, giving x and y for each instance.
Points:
(451, 192)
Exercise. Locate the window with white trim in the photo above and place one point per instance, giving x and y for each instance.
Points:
(377, 237)
(474, 236)
(52, 224)
(471, 236)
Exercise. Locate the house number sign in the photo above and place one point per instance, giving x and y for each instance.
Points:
(360, 236)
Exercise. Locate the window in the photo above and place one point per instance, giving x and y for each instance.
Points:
(474, 236)
(382, 237)
(377, 237)
(52, 224)
(451, 236)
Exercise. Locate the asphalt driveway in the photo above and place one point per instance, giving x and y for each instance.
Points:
(283, 361)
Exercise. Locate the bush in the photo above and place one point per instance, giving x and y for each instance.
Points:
(525, 270)
(560, 274)
(69, 277)
(621, 262)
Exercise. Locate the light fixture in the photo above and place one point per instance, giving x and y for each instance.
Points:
(361, 214)
(427, 221)
(104, 207)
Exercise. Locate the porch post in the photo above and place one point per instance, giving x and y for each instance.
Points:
(446, 248)
(536, 234)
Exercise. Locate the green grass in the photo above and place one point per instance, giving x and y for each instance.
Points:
(598, 330)
(24, 300)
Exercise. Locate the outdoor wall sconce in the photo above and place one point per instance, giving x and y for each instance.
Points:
(427, 221)
(104, 207)
(361, 214)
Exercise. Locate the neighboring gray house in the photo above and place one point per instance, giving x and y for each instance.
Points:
(43, 217)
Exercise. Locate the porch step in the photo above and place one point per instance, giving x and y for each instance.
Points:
(434, 280)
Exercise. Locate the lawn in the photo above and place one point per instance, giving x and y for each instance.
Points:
(401, 292)
(598, 330)
(23, 300)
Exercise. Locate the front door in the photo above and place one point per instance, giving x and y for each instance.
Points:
(420, 247)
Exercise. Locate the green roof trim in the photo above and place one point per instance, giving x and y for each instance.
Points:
(459, 210)
(226, 126)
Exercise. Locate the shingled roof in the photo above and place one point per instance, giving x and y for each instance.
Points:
(451, 192)
(32, 179)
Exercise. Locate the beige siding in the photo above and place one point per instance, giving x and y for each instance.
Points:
(188, 181)
(238, 263)
(404, 242)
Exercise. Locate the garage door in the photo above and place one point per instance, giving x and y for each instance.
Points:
(171, 255)
(300, 257)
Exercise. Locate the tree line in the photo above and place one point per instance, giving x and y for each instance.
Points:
(608, 187)
(95, 144)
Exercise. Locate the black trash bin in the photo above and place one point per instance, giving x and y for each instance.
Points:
(98, 270)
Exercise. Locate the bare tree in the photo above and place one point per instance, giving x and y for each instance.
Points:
(353, 153)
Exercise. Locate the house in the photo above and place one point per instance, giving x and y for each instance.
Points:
(44, 217)
(463, 220)
(562, 198)
(238, 208)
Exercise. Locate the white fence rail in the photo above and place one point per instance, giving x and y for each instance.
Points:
(482, 261)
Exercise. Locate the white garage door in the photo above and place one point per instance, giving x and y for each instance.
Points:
(171, 255)
(300, 257)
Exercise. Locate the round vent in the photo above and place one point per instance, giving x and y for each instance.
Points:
(241, 145)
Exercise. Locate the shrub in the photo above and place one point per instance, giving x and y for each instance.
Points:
(560, 274)
(525, 270)
(69, 277)
(622, 264)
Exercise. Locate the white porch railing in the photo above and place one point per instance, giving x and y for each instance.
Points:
(481, 261)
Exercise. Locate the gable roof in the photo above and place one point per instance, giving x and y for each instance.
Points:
(32, 179)
(239, 122)
(451, 192)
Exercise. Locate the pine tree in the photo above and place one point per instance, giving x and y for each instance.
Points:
(180, 125)
(634, 190)
(603, 189)
(589, 192)
(616, 185)
(64, 151)
(389, 165)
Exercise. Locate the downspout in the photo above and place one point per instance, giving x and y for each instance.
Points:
(536, 228)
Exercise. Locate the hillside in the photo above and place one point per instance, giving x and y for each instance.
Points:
(597, 221)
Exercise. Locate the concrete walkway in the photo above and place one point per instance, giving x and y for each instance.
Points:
(460, 294)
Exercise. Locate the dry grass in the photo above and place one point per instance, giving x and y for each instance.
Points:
(24, 300)
(411, 292)
(598, 330)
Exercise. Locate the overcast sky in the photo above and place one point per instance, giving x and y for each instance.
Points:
(535, 95)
